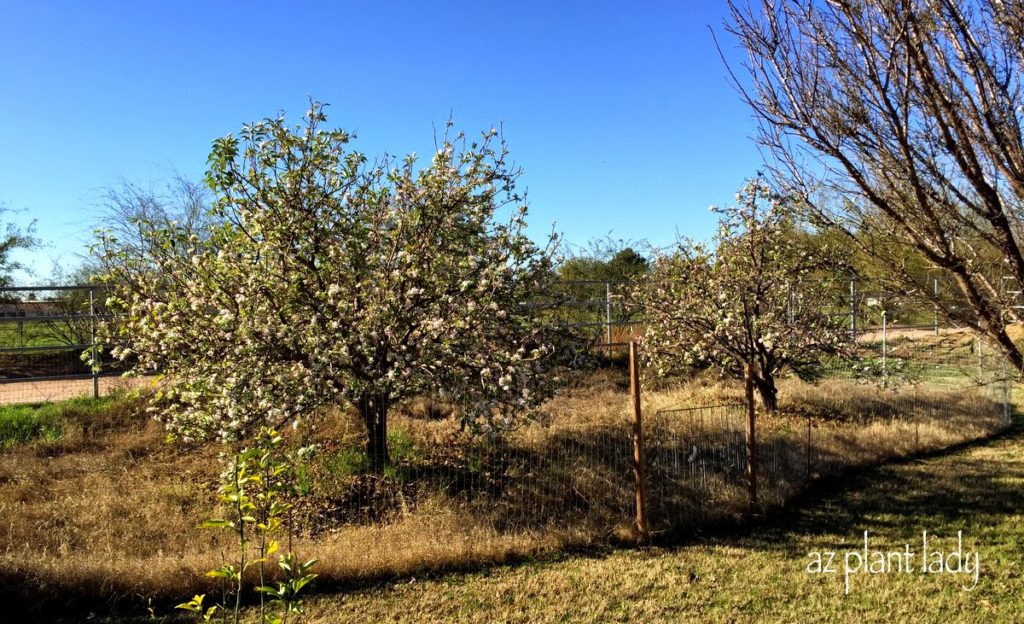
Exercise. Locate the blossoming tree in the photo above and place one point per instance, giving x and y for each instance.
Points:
(326, 279)
(756, 296)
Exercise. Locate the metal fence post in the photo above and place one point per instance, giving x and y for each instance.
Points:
(808, 446)
(935, 290)
(94, 365)
(1006, 397)
(639, 461)
(853, 308)
(981, 357)
(789, 306)
(1004, 371)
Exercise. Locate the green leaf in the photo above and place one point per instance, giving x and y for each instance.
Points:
(216, 524)
(302, 582)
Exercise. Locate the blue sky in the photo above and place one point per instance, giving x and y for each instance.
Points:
(620, 112)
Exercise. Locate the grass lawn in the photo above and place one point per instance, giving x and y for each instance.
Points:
(760, 575)
(41, 333)
(104, 519)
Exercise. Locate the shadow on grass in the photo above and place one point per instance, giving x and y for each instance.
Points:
(927, 490)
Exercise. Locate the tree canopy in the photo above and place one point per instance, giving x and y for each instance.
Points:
(604, 260)
(756, 295)
(324, 278)
(901, 120)
(13, 238)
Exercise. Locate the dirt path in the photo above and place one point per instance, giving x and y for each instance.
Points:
(61, 389)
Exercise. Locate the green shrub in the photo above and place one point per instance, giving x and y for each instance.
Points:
(350, 461)
(346, 462)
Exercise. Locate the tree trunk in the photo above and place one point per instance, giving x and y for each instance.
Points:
(375, 416)
(748, 393)
(767, 391)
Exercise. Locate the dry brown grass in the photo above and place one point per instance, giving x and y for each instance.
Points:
(107, 519)
(104, 513)
(759, 575)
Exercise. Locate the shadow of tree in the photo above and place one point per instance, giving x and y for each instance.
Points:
(939, 491)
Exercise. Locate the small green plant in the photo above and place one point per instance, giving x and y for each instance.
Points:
(403, 454)
(196, 606)
(402, 446)
(889, 373)
(346, 462)
(284, 595)
(255, 489)
(303, 481)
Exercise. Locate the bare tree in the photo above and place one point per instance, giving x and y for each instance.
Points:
(133, 216)
(900, 120)
(130, 211)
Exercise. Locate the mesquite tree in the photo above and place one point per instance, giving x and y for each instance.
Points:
(755, 296)
(325, 279)
(902, 119)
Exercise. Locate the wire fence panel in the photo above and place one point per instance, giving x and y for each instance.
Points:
(47, 343)
(567, 478)
(696, 463)
(906, 389)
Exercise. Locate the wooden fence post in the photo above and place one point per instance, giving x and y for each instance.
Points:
(639, 462)
(748, 387)
(808, 447)
(608, 316)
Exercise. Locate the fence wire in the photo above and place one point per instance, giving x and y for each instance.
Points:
(906, 390)
(48, 341)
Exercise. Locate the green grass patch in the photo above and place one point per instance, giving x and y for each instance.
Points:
(350, 461)
(28, 422)
(33, 333)
(346, 462)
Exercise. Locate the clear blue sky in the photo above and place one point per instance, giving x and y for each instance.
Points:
(619, 112)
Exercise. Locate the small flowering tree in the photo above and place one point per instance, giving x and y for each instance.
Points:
(755, 297)
(325, 279)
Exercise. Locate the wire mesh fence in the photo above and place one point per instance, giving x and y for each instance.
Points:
(573, 477)
(926, 398)
(48, 343)
(696, 463)
(906, 389)
(605, 310)
(566, 476)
